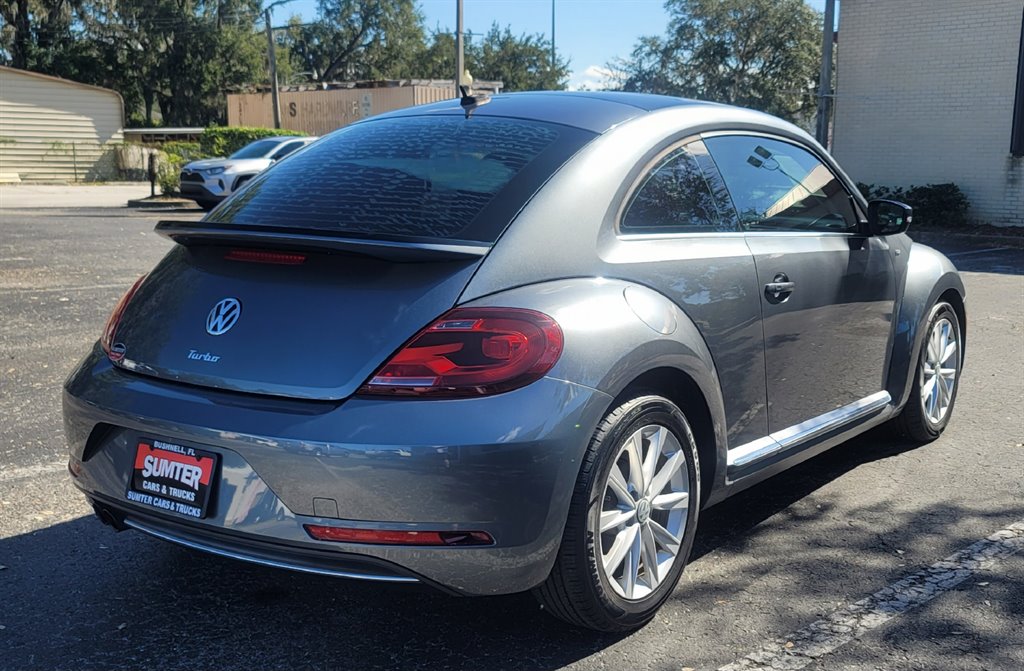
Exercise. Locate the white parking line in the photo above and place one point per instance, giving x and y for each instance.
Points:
(88, 287)
(827, 635)
(11, 474)
(955, 255)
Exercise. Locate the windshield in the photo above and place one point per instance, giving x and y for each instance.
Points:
(433, 177)
(257, 149)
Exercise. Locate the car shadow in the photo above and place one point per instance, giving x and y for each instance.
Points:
(77, 595)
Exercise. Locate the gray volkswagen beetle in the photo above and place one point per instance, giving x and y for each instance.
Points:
(511, 346)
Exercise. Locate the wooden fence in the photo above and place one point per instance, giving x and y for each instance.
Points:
(320, 112)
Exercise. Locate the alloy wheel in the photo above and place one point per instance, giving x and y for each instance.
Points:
(939, 367)
(643, 512)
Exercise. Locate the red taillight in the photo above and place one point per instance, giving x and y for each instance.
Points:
(264, 256)
(397, 537)
(472, 352)
(107, 339)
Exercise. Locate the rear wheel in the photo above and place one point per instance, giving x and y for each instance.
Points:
(631, 521)
(936, 379)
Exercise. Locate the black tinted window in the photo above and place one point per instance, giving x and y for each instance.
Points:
(678, 196)
(779, 186)
(433, 177)
(285, 150)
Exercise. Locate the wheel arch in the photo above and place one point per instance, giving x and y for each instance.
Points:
(930, 277)
(682, 390)
(623, 345)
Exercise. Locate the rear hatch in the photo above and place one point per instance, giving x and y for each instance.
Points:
(303, 284)
(316, 329)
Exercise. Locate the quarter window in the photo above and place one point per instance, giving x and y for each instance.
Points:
(677, 197)
(777, 186)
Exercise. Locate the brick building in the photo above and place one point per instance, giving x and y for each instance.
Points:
(932, 91)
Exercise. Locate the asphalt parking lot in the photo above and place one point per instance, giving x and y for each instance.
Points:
(768, 568)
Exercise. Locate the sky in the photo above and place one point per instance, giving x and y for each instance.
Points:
(590, 33)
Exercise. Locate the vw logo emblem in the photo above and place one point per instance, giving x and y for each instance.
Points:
(223, 316)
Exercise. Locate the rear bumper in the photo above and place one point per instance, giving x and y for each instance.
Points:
(504, 464)
(308, 559)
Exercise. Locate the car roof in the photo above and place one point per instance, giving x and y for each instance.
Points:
(595, 111)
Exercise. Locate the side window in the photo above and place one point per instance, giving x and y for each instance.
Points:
(677, 197)
(777, 186)
(288, 148)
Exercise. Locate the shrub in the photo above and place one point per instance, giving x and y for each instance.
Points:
(934, 204)
(223, 141)
(190, 151)
(171, 157)
(168, 172)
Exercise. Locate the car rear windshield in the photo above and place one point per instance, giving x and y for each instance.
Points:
(409, 177)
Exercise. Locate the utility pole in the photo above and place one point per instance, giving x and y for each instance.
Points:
(275, 102)
(460, 56)
(825, 82)
(552, 35)
(272, 57)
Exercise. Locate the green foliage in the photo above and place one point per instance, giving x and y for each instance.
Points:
(171, 157)
(168, 172)
(171, 60)
(190, 151)
(223, 141)
(522, 62)
(763, 54)
(358, 39)
(934, 204)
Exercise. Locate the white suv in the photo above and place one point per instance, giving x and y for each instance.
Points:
(211, 180)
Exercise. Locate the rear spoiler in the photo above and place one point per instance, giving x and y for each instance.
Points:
(189, 233)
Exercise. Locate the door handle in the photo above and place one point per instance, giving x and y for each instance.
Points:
(779, 289)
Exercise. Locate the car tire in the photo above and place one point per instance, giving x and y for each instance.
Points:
(585, 587)
(933, 393)
(207, 204)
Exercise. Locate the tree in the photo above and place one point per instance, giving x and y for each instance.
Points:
(181, 55)
(522, 62)
(763, 54)
(40, 35)
(358, 39)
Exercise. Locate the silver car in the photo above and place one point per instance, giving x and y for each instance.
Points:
(210, 180)
(511, 344)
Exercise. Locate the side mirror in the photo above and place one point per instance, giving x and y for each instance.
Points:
(889, 217)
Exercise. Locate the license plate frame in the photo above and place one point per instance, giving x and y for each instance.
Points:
(173, 478)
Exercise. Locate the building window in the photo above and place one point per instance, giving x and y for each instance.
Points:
(1017, 140)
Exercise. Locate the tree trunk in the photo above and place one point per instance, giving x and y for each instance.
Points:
(22, 37)
(147, 101)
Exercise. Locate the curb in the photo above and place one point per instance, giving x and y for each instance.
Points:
(168, 203)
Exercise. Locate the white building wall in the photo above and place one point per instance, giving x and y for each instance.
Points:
(54, 129)
(925, 95)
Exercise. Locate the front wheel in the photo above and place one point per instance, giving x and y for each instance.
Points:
(631, 521)
(936, 379)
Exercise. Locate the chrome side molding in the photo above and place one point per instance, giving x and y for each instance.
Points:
(762, 448)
